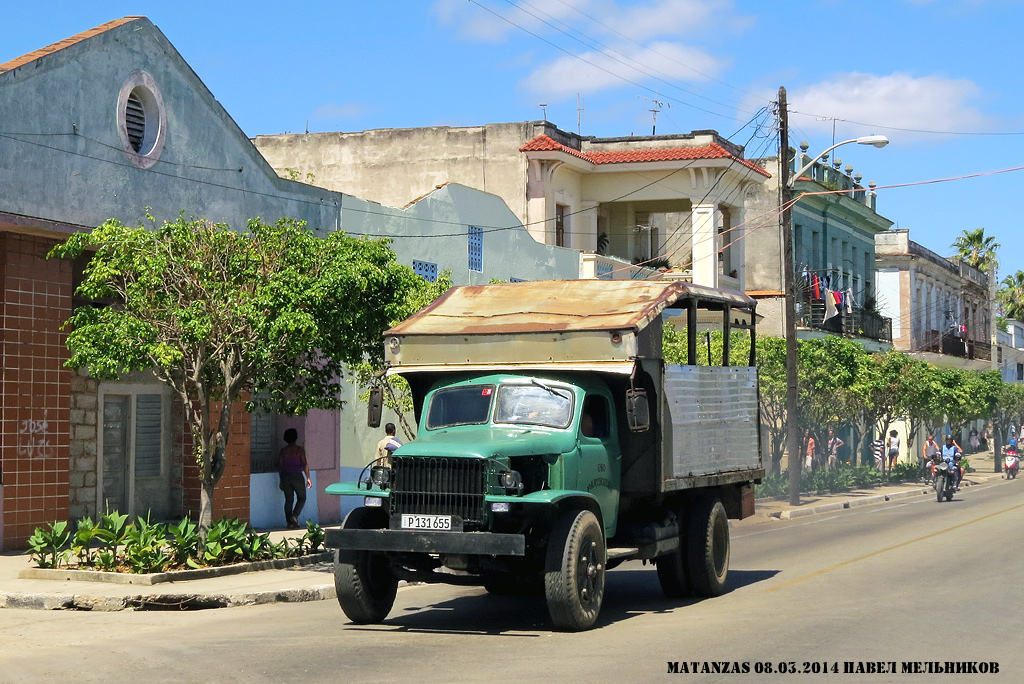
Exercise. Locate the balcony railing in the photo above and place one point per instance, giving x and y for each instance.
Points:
(937, 342)
(859, 323)
(604, 267)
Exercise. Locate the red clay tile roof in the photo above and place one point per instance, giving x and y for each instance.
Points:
(543, 143)
(61, 44)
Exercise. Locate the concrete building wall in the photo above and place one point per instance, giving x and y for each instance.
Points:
(396, 166)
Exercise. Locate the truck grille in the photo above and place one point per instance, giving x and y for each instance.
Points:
(439, 486)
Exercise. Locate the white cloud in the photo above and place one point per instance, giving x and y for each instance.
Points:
(346, 110)
(898, 100)
(595, 71)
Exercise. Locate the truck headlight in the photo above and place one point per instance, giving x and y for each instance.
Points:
(510, 479)
(381, 476)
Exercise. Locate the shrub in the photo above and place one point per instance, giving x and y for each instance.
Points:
(143, 547)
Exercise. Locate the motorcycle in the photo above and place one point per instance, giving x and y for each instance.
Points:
(1011, 464)
(944, 481)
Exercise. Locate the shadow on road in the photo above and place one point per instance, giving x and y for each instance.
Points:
(628, 594)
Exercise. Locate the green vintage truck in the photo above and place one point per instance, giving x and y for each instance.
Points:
(555, 443)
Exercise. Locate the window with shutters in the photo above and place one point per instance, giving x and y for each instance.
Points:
(132, 441)
(262, 442)
(476, 248)
(141, 119)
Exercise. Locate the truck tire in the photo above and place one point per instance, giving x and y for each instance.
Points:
(673, 572)
(363, 580)
(574, 571)
(707, 547)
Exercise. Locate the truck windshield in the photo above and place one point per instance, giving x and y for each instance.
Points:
(534, 405)
(460, 406)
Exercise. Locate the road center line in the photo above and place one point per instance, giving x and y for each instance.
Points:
(836, 566)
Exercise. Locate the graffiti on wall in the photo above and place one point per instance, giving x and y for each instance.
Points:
(34, 438)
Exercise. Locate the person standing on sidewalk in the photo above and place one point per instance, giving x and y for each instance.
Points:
(810, 462)
(294, 471)
(832, 446)
(892, 446)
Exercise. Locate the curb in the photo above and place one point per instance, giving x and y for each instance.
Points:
(179, 601)
(850, 503)
(71, 574)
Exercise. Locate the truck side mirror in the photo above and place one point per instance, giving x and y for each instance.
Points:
(375, 407)
(638, 414)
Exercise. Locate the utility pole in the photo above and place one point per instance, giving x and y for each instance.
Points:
(789, 288)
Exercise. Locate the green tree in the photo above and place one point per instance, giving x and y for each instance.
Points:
(397, 395)
(978, 250)
(272, 312)
(1011, 296)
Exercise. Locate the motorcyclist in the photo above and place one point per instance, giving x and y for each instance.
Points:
(951, 454)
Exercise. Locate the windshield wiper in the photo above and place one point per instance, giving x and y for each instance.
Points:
(540, 384)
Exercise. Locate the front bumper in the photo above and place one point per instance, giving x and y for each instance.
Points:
(415, 541)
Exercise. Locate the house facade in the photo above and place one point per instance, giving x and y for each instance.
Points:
(113, 123)
(941, 308)
(834, 222)
(674, 201)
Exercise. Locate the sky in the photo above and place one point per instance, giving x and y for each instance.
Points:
(940, 78)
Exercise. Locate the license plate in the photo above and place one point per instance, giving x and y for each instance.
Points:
(426, 522)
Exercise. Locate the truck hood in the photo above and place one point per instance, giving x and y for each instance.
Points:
(491, 442)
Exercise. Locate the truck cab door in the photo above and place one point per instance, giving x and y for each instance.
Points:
(600, 459)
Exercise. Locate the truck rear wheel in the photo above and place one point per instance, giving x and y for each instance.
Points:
(707, 547)
(574, 571)
(363, 580)
(673, 572)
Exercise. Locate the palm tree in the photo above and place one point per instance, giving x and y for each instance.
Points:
(978, 250)
(1011, 296)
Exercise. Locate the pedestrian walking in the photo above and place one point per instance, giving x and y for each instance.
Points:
(878, 450)
(832, 446)
(387, 446)
(294, 472)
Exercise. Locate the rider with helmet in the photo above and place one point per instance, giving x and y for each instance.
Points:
(951, 454)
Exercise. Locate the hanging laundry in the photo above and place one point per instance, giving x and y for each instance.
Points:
(816, 286)
(830, 306)
(848, 300)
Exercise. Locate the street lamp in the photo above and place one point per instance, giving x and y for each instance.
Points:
(876, 140)
(789, 281)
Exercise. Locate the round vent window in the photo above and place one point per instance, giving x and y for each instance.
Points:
(141, 119)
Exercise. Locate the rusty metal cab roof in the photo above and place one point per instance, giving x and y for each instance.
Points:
(551, 324)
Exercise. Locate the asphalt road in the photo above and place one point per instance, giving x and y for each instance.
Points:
(907, 582)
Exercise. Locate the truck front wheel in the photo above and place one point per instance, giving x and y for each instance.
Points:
(363, 580)
(574, 571)
(707, 547)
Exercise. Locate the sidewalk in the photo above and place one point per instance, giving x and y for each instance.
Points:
(316, 582)
(307, 583)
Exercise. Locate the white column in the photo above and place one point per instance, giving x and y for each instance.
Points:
(540, 203)
(705, 249)
(584, 227)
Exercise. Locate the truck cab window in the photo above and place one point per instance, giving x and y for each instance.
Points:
(534, 405)
(460, 406)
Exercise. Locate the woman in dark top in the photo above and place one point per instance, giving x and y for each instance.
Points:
(294, 477)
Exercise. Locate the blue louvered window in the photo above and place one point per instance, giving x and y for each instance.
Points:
(425, 269)
(476, 248)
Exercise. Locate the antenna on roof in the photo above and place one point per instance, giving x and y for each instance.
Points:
(544, 110)
(579, 114)
(658, 104)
